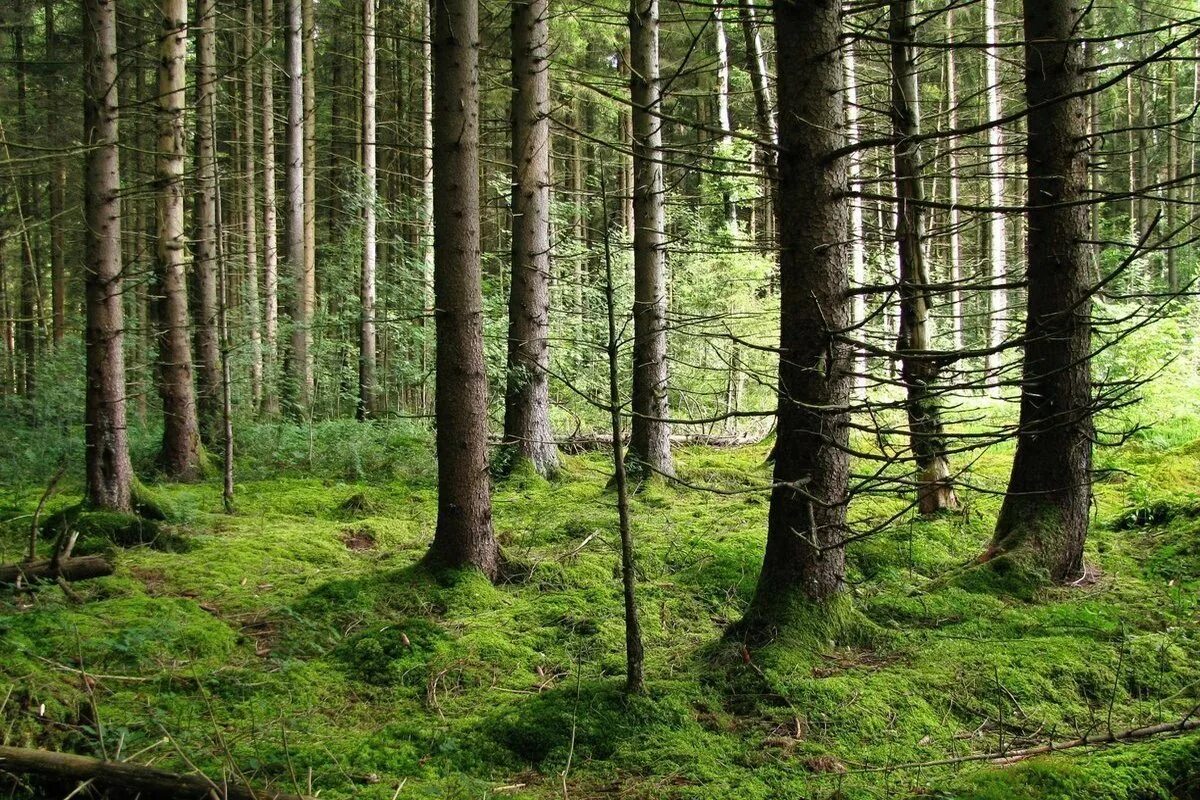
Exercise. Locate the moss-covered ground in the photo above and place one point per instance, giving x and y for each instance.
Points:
(298, 643)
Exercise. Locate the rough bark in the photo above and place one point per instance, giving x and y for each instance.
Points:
(464, 526)
(527, 396)
(935, 491)
(180, 457)
(204, 248)
(300, 379)
(1043, 520)
(366, 331)
(650, 442)
(270, 226)
(109, 475)
(804, 563)
(250, 204)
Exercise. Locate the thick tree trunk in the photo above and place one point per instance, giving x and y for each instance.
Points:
(181, 452)
(997, 326)
(300, 379)
(935, 491)
(650, 442)
(250, 205)
(764, 113)
(366, 330)
(802, 574)
(208, 356)
(1043, 521)
(527, 397)
(464, 527)
(108, 471)
(270, 226)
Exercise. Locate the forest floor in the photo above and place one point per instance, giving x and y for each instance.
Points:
(297, 644)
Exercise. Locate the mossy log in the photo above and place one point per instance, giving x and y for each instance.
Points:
(71, 569)
(148, 782)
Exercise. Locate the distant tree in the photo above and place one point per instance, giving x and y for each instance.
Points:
(527, 398)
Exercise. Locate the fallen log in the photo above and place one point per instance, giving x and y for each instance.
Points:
(71, 569)
(149, 782)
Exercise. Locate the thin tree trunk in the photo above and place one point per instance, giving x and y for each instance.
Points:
(250, 205)
(1043, 520)
(650, 440)
(764, 113)
(858, 246)
(208, 356)
(464, 527)
(301, 373)
(997, 223)
(181, 452)
(58, 250)
(108, 471)
(723, 118)
(935, 491)
(956, 272)
(801, 584)
(426, 191)
(366, 341)
(26, 213)
(527, 397)
(270, 224)
(307, 286)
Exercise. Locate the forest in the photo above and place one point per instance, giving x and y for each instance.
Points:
(600, 399)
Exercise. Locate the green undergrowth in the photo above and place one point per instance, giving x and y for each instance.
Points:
(302, 635)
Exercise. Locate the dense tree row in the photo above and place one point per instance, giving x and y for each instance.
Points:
(852, 223)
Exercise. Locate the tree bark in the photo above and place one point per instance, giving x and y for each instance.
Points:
(208, 356)
(764, 113)
(27, 322)
(527, 396)
(366, 331)
(957, 315)
(300, 380)
(935, 491)
(270, 225)
(1043, 520)
(858, 247)
(180, 457)
(134, 779)
(723, 117)
(997, 326)
(250, 205)
(464, 527)
(650, 441)
(307, 286)
(109, 474)
(70, 569)
(804, 563)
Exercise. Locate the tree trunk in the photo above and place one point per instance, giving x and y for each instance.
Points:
(26, 213)
(69, 569)
(764, 113)
(858, 247)
(208, 356)
(307, 285)
(997, 223)
(650, 442)
(108, 471)
(426, 192)
(300, 379)
(527, 397)
(366, 339)
(58, 250)
(270, 225)
(464, 526)
(957, 315)
(723, 118)
(1043, 520)
(250, 205)
(181, 453)
(935, 491)
(801, 582)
